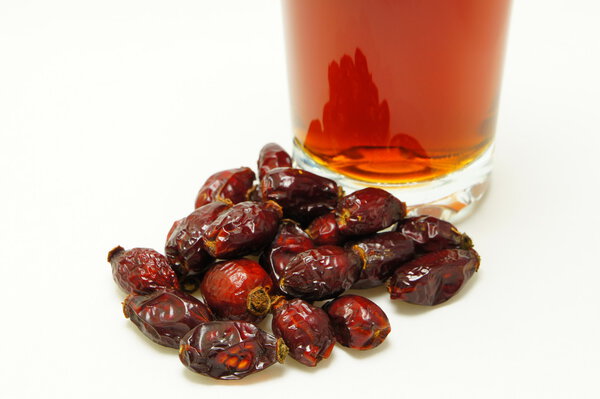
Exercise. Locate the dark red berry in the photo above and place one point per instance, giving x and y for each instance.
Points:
(320, 273)
(141, 270)
(272, 156)
(434, 277)
(324, 230)
(237, 290)
(381, 254)
(166, 316)
(228, 185)
(367, 211)
(184, 247)
(431, 234)
(357, 322)
(289, 241)
(305, 330)
(230, 350)
(242, 229)
(302, 195)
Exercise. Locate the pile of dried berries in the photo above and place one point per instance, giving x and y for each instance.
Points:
(277, 247)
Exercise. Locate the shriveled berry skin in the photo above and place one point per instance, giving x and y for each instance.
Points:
(272, 156)
(302, 195)
(320, 273)
(305, 330)
(431, 234)
(289, 241)
(242, 229)
(166, 316)
(434, 277)
(229, 350)
(357, 322)
(231, 184)
(367, 211)
(141, 270)
(324, 230)
(184, 247)
(237, 290)
(381, 254)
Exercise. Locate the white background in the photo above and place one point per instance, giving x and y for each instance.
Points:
(113, 113)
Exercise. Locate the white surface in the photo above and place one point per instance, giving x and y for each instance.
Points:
(113, 113)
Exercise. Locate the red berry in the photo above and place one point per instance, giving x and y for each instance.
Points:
(434, 277)
(230, 350)
(357, 322)
(381, 253)
(367, 211)
(320, 273)
(242, 229)
(237, 290)
(229, 185)
(272, 156)
(141, 270)
(166, 316)
(305, 330)
(431, 234)
(184, 247)
(324, 230)
(302, 195)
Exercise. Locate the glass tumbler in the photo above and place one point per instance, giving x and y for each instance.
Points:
(398, 94)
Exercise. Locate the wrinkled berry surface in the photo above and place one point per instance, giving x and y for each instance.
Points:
(431, 234)
(272, 156)
(305, 330)
(289, 241)
(435, 277)
(302, 195)
(141, 270)
(166, 316)
(381, 254)
(320, 273)
(358, 322)
(237, 290)
(242, 229)
(184, 248)
(324, 230)
(367, 211)
(229, 350)
(231, 185)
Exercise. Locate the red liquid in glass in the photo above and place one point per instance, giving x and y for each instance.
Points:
(395, 91)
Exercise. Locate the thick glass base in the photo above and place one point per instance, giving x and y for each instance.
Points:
(452, 197)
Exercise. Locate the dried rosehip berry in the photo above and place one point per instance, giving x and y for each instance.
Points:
(289, 241)
(320, 273)
(357, 322)
(431, 234)
(166, 316)
(302, 195)
(184, 247)
(242, 229)
(324, 230)
(141, 270)
(237, 290)
(272, 156)
(305, 330)
(367, 211)
(230, 350)
(434, 277)
(381, 254)
(231, 185)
